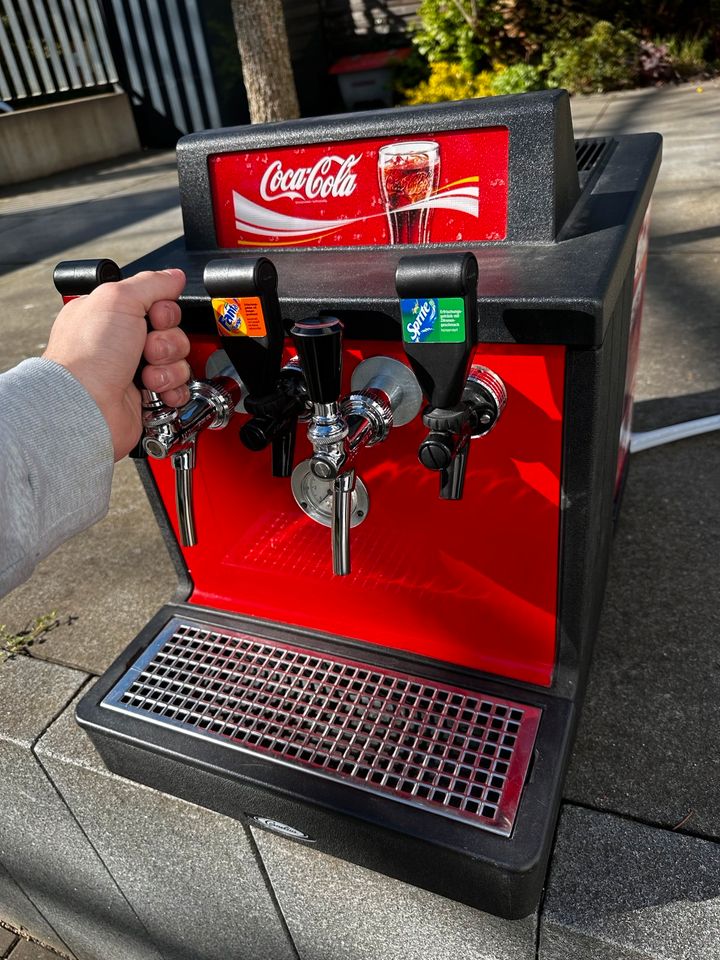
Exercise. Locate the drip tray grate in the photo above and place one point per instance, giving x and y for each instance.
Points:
(457, 752)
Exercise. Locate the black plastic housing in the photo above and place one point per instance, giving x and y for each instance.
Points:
(564, 275)
(457, 860)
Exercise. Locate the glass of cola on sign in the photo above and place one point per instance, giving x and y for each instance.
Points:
(409, 174)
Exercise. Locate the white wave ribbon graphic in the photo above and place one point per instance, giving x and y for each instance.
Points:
(251, 218)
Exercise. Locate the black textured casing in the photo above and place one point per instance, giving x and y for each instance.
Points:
(564, 275)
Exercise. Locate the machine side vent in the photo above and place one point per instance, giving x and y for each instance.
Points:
(458, 752)
(591, 156)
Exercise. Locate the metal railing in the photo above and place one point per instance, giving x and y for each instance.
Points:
(51, 46)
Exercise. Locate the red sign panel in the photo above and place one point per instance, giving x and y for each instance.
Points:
(441, 188)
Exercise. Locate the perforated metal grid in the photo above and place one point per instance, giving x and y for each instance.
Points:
(460, 753)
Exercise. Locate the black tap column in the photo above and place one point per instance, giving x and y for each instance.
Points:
(247, 315)
(438, 302)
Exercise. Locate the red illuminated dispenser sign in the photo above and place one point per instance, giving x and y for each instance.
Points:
(438, 188)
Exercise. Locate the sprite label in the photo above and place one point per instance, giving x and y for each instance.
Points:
(433, 320)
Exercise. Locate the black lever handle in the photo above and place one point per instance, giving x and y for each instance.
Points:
(75, 278)
(318, 341)
(438, 303)
(247, 314)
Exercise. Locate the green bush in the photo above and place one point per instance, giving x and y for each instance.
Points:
(605, 59)
(451, 81)
(686, 56)
(518, 78)
(467, 32)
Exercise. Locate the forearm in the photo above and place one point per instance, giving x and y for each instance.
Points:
(56, 465)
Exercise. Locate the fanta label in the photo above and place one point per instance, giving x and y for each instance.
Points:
(241, 317)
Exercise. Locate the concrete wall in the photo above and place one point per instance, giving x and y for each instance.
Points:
(44, 140)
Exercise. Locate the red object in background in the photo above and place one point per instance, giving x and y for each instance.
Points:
(470, 582)
(378, 60)
(330, 195)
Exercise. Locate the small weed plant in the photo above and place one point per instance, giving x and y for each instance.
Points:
(12, 644)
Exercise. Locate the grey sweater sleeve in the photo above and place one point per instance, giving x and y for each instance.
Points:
(56, 464)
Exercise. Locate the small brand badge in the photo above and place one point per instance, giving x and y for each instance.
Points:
(241, 317)
(433, 320)
(283, 828)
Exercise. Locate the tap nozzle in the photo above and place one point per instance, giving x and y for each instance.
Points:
(384, 393)
(447, 444)
(171, 432)
(183, 464)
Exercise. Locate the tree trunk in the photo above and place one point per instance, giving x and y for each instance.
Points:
(265, 54)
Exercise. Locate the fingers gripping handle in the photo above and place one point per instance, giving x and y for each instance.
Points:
(77, 278)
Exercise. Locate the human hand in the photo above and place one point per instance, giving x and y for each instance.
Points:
(101, 338)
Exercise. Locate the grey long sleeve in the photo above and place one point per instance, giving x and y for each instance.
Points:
(56, 464)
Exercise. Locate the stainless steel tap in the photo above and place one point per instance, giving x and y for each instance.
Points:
(173, 432)
(384, 394)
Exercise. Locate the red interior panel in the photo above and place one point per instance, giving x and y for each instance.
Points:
(471, 582)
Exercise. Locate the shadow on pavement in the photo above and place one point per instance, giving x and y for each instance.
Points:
(664, 411)
(121, 168)
(29, 238)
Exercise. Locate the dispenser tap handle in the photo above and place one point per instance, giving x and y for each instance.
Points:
(247, 315)
(438, 304)
(318, 341)
(75, 278)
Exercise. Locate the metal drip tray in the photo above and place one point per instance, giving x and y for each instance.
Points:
(457, 752)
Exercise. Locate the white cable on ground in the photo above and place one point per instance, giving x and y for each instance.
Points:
(678, 431)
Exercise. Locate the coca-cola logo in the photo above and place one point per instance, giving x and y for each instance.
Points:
(331, 176)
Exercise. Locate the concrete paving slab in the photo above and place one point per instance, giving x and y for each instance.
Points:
(103, 587)
(31, 951)
(31, 696)
(680, 335)
(96, 180)
(651, 718)
(191, 875)
(17, 911)
(7, 941)
(686, 119)
(619, 890)
(685, 220)
(41, 845)
(130, 241)
(50, 230)
(338, 911)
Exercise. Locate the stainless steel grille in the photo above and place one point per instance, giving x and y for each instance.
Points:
(458, 752)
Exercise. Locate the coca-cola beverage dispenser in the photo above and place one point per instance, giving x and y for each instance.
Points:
(391, 496)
